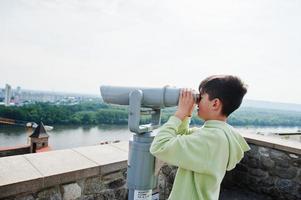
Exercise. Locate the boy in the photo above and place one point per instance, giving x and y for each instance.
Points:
(202, 154)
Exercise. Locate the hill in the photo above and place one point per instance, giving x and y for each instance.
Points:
(271, 105)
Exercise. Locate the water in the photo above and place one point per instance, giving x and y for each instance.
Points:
(63, 137)
(270, 131)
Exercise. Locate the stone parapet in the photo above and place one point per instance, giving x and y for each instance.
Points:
(272, 167)
(288, 146)
(82, 173)
(12, 151)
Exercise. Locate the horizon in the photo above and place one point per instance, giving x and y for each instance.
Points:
(99, 95)
(75, 47)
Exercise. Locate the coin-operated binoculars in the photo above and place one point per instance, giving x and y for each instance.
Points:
(141, 179)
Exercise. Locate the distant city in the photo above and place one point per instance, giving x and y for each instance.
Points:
(10, 96)
(18, 97)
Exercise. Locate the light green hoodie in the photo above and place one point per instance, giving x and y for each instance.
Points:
(202, 154)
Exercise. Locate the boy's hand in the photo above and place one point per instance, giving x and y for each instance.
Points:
(186, 104)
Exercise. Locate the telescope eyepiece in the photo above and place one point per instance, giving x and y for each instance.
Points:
(197, 98)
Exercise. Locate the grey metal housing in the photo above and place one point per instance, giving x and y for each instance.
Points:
(152, 97)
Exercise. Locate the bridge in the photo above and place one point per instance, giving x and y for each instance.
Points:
(22, 123)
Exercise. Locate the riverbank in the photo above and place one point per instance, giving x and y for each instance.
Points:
(68, 136)
(95, 113)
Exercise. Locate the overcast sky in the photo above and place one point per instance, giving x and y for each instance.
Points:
(76, 46)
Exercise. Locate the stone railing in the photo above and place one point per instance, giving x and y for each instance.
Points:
(272, 167)
(95, 172)
(12, 151)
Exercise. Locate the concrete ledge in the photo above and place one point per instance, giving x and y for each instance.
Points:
(16, 150)
(17, 175)
(32, 172)
(273, 142)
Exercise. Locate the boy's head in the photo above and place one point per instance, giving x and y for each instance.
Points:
(220, 96)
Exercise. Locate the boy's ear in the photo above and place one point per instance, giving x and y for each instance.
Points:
(216, 104)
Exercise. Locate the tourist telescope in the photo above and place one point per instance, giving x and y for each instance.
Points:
(151, 97)
(141, 179)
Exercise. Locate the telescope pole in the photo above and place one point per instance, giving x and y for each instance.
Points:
(141, 179)
(140, 173)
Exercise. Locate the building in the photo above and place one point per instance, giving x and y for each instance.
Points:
(8, 95)
(38, 143)
(39, 139)
(1, 95)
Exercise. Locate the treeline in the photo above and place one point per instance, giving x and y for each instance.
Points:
(264, 117)
(87, 113)
(94, 113)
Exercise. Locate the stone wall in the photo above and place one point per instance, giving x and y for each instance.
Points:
(272, 167)
(111, 186)
(268, 171)
(85, 173)
(105, 187)
(165, 180)
(15, 151)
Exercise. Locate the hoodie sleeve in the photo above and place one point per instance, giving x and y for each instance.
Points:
(191, 152)
(183, 128)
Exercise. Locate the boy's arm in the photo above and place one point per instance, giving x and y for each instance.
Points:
(190, 152)
(184, 129)
(185, 108)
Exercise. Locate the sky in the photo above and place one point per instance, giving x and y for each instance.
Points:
(78, 45)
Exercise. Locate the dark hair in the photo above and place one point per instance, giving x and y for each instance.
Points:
(229, 89)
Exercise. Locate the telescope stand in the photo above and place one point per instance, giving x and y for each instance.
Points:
(141, 179)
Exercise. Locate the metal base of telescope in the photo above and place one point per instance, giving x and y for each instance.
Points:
(140, 178)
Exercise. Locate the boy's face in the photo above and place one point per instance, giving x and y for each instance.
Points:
(210, 109)
(204, 106)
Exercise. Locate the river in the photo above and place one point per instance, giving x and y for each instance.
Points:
(63, 137)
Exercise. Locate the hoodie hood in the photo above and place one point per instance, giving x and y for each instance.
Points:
(237, 144)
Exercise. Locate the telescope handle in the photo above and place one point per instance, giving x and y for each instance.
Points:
(135, 99)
